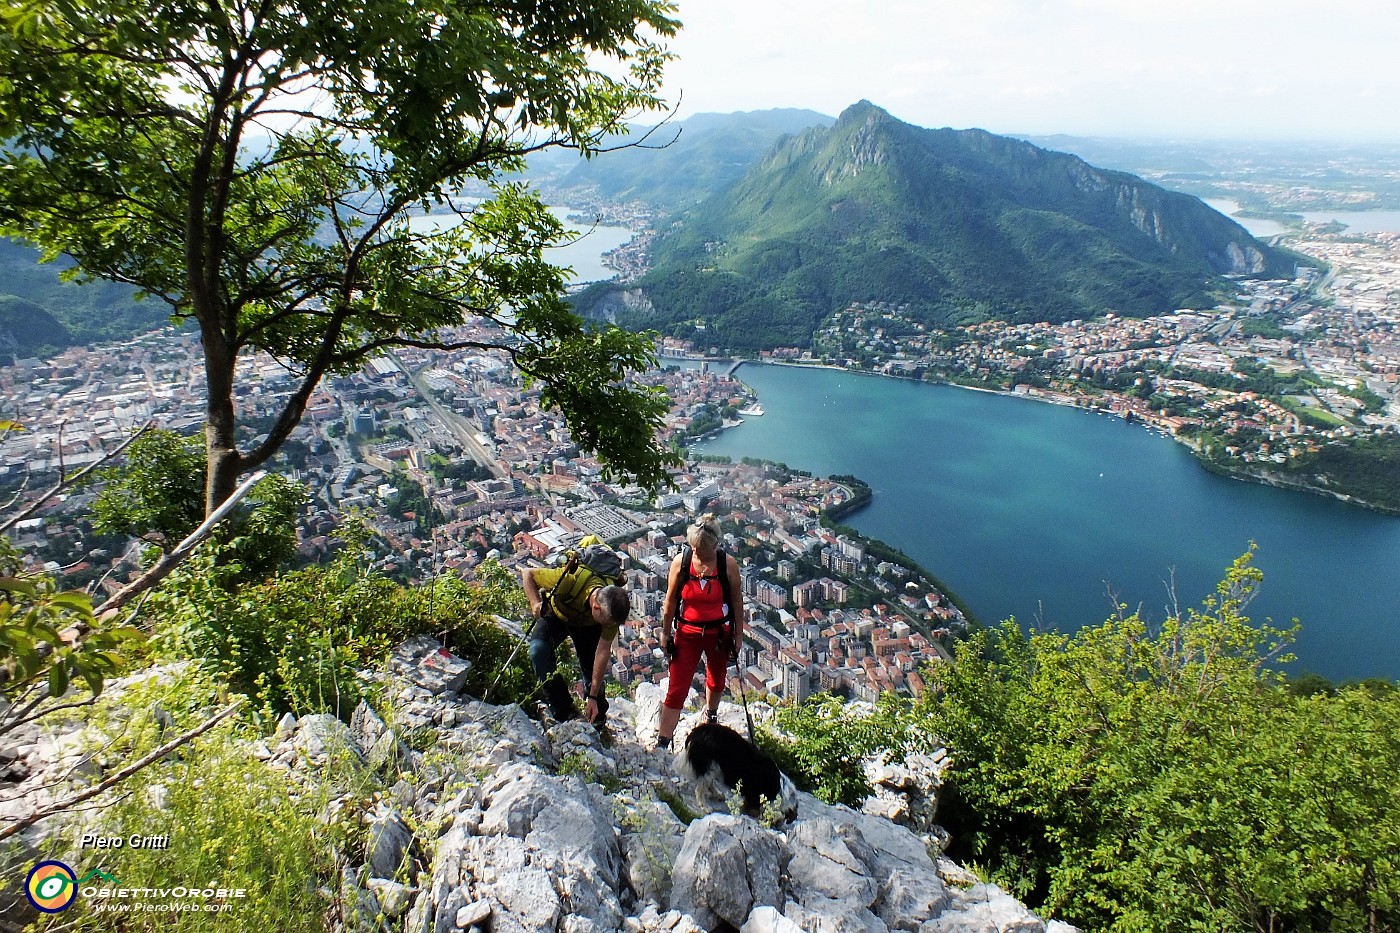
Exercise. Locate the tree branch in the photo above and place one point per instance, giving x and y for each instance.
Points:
(182, 551)
(28, 714)
(66, 481)
(121, 775)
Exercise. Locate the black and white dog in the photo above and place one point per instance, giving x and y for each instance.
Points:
(719, 759)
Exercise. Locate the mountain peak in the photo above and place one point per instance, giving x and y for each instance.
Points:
(960, 225)
(860, 111)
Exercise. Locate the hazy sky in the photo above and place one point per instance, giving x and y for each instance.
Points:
(1281, 69)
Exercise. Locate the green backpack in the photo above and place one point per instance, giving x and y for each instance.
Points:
(592, 565)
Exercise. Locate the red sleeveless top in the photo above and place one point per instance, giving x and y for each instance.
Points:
(702, 598)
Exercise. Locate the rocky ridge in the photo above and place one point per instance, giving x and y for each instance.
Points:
(502, 825)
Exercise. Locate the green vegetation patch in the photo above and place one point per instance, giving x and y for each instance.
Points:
(1130, 778)
(1367, 467)
(212, 816)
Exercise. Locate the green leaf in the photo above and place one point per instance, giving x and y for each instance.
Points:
(58, 680)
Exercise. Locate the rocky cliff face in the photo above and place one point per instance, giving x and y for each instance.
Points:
(506, 826)
(555, 830)
(615, 301)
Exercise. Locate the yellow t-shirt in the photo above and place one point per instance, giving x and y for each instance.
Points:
(575, 610)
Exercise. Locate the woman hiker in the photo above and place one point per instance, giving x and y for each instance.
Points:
(703, 614)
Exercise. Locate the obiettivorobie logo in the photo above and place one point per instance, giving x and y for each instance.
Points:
(52, 886)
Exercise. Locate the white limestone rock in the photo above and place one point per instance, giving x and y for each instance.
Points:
(321, 735)
(394, 898)
(822, 915)
(554, 814)
(867, 862)
(651, 842)
(767, 919)
(423, 662)
(390, 839)
(887, 807)
(830, 861)
(984, 908)
(908, 896)
(486, 737)
(728, 865)
(474, 913)
(285, 727)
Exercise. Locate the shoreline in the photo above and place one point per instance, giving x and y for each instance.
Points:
(1240, 473)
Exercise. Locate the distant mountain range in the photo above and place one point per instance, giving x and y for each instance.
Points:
(774, 219)
(673, 166)
(959, 225)
(41, 314)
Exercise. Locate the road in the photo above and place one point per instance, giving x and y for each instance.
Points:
(461, 429)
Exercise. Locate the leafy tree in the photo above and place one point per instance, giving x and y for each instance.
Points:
(158, 493)
(465, 470)
(1128, 778)
(255, 165)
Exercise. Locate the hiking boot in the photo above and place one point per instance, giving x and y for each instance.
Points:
(712, 716)
(561, 705)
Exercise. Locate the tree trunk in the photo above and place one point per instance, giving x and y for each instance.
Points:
(224, 462)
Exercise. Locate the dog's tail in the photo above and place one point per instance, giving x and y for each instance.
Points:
(787, 797)
(682, 765)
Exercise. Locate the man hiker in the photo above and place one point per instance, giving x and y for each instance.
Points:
(580, 600)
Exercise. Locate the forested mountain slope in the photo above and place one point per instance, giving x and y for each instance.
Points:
(961, 225)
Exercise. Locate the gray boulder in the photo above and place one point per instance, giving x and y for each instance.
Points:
(728, 865)
(857, 864)
(539, 854)
(767, 919)
(829, 860)
(390, 839)
(985, 908)
(553, 814)
(651, 842)
(425, 663)
(822, 915)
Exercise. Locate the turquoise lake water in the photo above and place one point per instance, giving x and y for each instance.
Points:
(1033, 510)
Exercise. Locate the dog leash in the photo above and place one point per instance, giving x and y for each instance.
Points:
(744, 695)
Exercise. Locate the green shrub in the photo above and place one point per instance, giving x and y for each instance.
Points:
(821, 744)
(299, 640)
(50, 639)
(1128, 778)
(230, 822)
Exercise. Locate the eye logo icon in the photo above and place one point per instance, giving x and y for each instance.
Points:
(51, 887)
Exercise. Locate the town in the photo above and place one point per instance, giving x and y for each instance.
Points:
(1251, 386)
(454, 463)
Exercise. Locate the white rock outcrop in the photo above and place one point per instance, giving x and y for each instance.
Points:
(485, 821)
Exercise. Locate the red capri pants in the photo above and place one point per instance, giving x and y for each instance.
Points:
(692, 641)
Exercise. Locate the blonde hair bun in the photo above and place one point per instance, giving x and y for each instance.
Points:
(704, 531)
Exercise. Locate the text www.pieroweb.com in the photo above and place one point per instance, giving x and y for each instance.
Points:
(123, 907)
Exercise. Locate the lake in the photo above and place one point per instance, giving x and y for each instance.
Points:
(1356, 221)
(1037, 511)
(583, 254)
(1257, 226)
